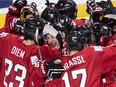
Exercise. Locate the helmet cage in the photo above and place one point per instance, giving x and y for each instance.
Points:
(75, 40)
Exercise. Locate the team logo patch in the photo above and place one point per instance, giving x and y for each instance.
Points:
(98, 48)
(3, 34)
(34, 60)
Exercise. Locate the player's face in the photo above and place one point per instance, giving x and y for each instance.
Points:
(114, 28)
(29, 16)
(52, 40)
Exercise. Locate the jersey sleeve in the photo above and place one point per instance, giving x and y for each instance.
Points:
(109, 57)
(36, 69)
(36, 78)
(52, 83)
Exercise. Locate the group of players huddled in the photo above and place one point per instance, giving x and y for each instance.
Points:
(55, 48)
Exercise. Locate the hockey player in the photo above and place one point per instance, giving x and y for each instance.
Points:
(61, 25)
(102, 31)
(69, 8)
(18, 11)
(13, 15)
(53, 42)
(84, 67)
(110, 20)
(107, 7)
(22, 65)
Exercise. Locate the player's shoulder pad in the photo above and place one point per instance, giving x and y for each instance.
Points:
(98, 48)
(3, 34)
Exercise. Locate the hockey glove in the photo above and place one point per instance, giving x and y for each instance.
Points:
(16, 25)
(54, 68)
(93, 8)
(104, 40)
(20, 26)
(15, 8)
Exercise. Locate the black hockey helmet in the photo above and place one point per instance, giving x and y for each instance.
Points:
(76, 40)
(106, 7)
(66, 22)
(68, 8)
(88, 32)
(101, 29)
(59, 27)
(50, 14)
(110, 20)
(32, 26)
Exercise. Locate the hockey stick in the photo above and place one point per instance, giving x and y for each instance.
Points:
(36, 39)
(40, 55)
